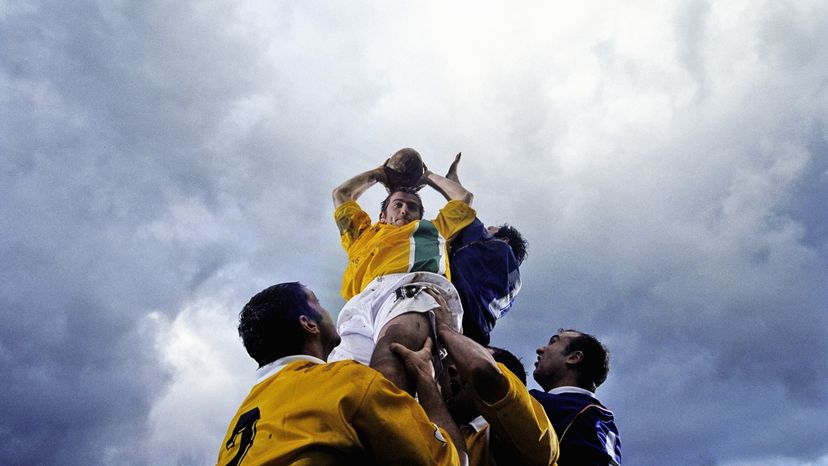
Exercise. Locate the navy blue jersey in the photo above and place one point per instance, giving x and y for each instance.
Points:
(485, 272)
(586, 429)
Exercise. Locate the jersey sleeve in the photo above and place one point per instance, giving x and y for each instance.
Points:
(520, 424)
(395, 429)
(351, 221)
(453, 217)
(475, 231)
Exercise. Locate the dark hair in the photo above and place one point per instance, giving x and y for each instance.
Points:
(384, 203)
(509, 360)
(269, 322)
(592, 371)
(515, 239)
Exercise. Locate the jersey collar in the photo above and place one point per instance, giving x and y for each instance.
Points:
(478, 423)
(274, 367)
(571, 389)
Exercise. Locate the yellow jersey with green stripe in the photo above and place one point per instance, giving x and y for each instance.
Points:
(380, 249)
(313, 413)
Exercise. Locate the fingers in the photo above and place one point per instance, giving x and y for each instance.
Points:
(442, 313)
(403, 352)
(436, 295)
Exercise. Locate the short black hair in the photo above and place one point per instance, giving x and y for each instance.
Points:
(509, 360)
(516, 241)
(269, 322)
(384, 203)
(593, 370)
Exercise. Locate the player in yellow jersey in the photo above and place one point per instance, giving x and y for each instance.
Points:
(485, 391)
(303, 411)
(390, 262)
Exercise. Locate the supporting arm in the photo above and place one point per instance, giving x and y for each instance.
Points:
(419, 368)
(473, 361)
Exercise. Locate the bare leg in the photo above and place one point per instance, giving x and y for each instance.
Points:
(410, 330)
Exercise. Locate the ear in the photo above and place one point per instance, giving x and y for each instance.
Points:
(382, 217)
(309, 325)
(575, 357)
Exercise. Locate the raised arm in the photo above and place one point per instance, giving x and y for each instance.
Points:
(450, 189)
(356, 186)
(473, 361)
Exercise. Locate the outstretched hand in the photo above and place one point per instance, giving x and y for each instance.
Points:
(417, 363)
(452, 171)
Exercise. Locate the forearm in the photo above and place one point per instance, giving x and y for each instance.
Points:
(351, 189)
(474, 363)
(450, 189)
(432, 402)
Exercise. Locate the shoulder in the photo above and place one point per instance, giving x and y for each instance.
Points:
(339, 373)
(349, 368)
(457, 208)
(565, 403)
(516, 396)
(348, 208)
(475, 231)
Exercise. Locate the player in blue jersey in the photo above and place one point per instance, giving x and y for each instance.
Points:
(484, 268)
(569, 368)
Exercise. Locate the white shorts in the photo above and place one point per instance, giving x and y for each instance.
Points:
(364, 316)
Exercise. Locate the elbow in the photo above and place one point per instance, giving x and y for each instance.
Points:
(487, 375)
(340, 195)
(468, 198)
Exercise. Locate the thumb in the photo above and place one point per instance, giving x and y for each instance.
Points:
(427, 345)
(400, 350)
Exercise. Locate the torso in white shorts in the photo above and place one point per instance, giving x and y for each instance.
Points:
(363, 317)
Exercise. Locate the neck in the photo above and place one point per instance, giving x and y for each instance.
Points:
(314, 348)
(567, 380)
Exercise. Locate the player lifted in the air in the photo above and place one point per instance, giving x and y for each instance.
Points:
(484, 270)
(391, 261)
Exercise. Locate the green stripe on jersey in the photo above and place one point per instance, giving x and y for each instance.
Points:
(426, 251)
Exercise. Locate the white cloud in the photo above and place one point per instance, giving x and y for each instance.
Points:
(209, 375)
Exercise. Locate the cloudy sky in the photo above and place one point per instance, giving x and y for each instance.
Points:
(162, 161)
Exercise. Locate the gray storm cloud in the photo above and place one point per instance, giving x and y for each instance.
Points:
(162, 162)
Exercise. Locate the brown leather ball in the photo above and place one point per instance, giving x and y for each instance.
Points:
(404, 169)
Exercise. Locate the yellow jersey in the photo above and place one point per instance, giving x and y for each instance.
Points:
(514, 430)
(380, 249)
(313, 413)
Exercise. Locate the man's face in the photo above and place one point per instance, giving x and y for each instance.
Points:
(551, 362)
(402, 209)
(327, 329)
(456, 393)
